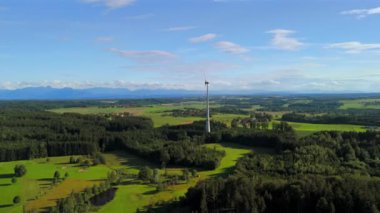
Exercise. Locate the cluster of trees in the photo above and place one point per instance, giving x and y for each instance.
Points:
(183, 153)
(229, 110)
(78, 202)
(119, 124)
(35, 134)
(154, 176)
(372, 103)
(258, 120)
(168, 145)
(187, 112)
(281, 137)
(97, 195)
(315, 106)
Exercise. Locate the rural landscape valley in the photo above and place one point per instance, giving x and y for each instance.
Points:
(151, 155)
(189, 106)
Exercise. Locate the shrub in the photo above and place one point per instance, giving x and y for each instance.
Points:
(20, 170)
(16, 199)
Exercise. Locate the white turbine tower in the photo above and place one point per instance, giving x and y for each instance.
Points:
(208, 129)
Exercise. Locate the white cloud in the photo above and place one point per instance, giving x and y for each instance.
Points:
(111, 4)
(179, 28)
(203, 38)
(282, 40)
(145, 56)
(362, 13)
(229, 47)
(355, 46)
(104, 39)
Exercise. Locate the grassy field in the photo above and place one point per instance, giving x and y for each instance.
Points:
(359, 104)
(130, 197)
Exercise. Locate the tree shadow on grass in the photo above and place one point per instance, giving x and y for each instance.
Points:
(132, 160)
(130, 182)
(225, 173)
(6, 176)
(6, 205)
(98, 180)
(151, 192)
(45, 185)
(64, 163)
(45, 179)
(5, 184)
(45, 210)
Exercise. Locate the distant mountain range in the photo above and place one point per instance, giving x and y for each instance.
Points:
(49, 93)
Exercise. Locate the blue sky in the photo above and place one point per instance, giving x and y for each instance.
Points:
(255, 45)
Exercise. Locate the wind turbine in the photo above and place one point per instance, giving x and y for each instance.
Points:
(208, 129)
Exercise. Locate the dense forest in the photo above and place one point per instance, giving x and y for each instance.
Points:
(35, 134)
